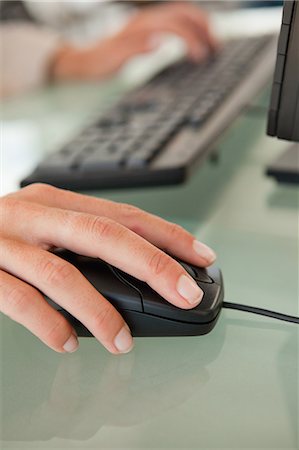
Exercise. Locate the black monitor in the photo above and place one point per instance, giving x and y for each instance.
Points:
(283, 119)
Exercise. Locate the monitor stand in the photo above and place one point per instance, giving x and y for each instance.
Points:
(285, 169)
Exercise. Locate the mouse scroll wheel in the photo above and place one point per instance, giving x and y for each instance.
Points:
(198, 274)
(189, 269)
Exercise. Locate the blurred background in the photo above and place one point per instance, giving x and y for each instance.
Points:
(64, 61)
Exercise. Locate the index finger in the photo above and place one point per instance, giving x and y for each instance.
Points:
(165, 235)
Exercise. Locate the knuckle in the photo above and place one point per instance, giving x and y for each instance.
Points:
(18, 299)
(95, 225)
(131, 212)
(159, 263)
(104, 316)
(9, 202)
(55, 334)
(175, 231)
(38, 188)
(103, 228)
(55, 272)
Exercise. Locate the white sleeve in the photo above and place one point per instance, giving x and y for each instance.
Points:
(26, 52)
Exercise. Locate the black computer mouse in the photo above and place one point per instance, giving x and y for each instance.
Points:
(145, 311)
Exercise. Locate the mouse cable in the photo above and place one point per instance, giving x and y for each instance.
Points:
(261, 312)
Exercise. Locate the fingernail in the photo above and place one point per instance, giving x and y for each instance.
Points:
(204, 251)
(188, 289)
(124, 341)
(71, 344)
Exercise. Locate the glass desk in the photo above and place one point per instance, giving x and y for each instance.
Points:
(235, 388)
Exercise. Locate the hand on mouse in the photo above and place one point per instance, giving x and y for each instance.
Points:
(38, 218)
(141, 35)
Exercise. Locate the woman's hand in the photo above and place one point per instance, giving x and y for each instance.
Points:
(139, 36)
(39, 218)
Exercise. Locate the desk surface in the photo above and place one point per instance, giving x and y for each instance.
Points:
(234, 388)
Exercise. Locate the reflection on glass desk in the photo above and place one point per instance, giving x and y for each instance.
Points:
(179, 393)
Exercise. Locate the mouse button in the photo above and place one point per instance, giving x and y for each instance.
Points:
(211, 296)
(198, 273)
(114, 289)
(123, 293)
(105, 281)
(81, 262)
(211, 303)
(215, 274)
(127, 300)
(125, 277)
(202, 276)
(189, 269)
(155, 305)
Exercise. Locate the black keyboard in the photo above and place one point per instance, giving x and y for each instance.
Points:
(156, 133)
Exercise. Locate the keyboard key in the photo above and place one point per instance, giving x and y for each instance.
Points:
(57, 162)
(97, 162)
(139, 158)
